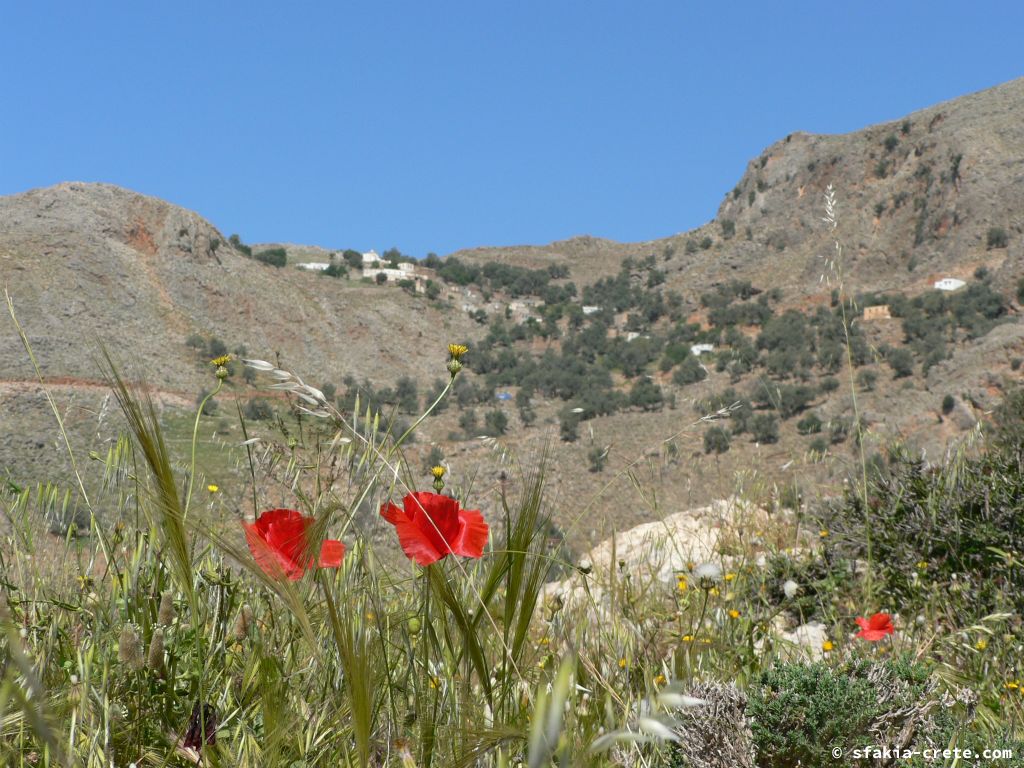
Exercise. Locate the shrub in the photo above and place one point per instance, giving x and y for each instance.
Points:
(902, 362)
(942, 530)
(495, 423)
(275, 257)
(728, 228)
(597, 458)
(335, 269)
(468, 422)
(568, 427)
(258, 409)
(716, 440)
(829, 384)
(238, 245)
(997, 238)
(354, 259)
(866, 379)
(764, 428)
(706, 242)
(690, 371)
(646, 395)
(809, 425)
(801, 712)
(380, 278)
(947, 404)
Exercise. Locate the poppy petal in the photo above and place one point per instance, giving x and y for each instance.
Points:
(270, 561)
(393, 513)
(416, 544)
(331, 553)
(472, 536)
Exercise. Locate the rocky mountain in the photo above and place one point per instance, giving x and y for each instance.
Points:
(936, 194)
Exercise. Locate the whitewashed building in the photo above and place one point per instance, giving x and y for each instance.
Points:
(700, 349)
(949, 284)
(314, 266)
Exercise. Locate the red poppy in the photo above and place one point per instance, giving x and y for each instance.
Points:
(431, 526)
(279, 543)
(875, 628)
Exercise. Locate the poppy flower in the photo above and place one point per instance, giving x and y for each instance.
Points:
(432, 526)
(875, 628)
(279, 543)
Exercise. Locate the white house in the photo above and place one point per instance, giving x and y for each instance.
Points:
(314, 266)
(589, 309)
(370, 258)
(949, 284)
(700, 349)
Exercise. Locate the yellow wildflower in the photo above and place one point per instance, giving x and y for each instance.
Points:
(212, 488)
(220, 362)
(982, 644)
(623, 663)
(659, 680)
(730, 576)
(1011, 685)
(823, 533)
(922, 564)
(734, 614)
(687, 638)
(456, 351)
(682, 584)
(437, 471)
(827, 646)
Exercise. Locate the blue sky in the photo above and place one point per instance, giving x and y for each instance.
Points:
(434, 126)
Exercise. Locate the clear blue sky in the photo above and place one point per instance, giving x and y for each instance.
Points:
(433, 126)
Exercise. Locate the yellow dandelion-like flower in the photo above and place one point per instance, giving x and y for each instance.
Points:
(823, 533)
(706, 640)
(687, 638)
(659, 680)
(734, 614)
(545, 641)
(1011, 685)
(220, 362)
(982, 644)
(434, 682)
(437, 471)
(730, 576)
(714, 591)
(213, 488)
(682, 584)
(922, 564)
(456, 351)
(827, 646)
(623, 663)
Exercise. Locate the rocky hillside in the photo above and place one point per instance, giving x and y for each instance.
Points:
(936, 194)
